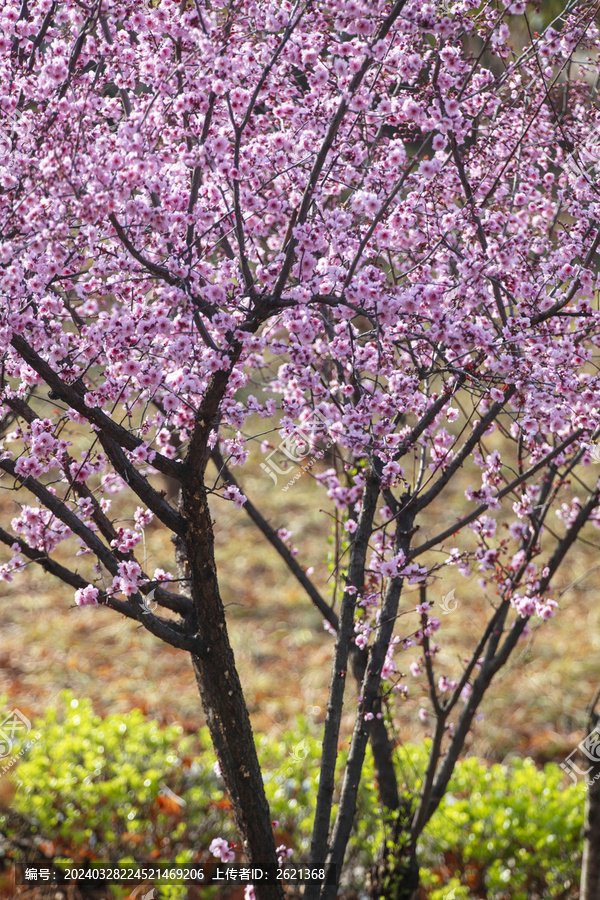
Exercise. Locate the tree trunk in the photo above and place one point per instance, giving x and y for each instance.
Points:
(590, 866)
(380, 741)
(222, 697)
(395, 874)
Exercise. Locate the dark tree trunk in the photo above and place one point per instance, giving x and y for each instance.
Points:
(395, 874)
(380, 741)
(221, 692)
(590, 866)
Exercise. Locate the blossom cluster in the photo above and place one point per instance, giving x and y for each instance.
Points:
(314, 220)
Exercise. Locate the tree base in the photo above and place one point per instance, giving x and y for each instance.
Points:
(395, 874)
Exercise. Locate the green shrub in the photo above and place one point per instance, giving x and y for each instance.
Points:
(508, 830)
(103, 784)
(101, 787)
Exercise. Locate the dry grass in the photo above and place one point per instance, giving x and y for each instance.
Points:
(536, 707)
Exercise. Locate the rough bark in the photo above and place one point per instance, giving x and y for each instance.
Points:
(356, 573)
(221, 692)
(370, 692)
(380, 741)
(395, 874)
(590, 865)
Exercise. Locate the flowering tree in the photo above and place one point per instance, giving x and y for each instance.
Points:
(369, 227)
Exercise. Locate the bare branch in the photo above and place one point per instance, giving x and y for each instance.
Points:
(471, 517)
(355, 583)
(276, 542)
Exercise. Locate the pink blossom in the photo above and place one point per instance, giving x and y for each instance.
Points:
(128, 578)
(143, 517)
(546, 609)
(283, 853)
(232, 492)
(87, 596)
(126, 540)
(391, 567)
(220, 848)
(161, 575)
(525, 606)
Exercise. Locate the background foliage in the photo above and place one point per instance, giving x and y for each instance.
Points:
(102, 789)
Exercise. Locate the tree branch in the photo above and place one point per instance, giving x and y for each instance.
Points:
(455, 464)
(328, 143)
(276, 542)
(369, 692)
(58, 508)
(355, 583)
(141, 486)
(466, 520)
